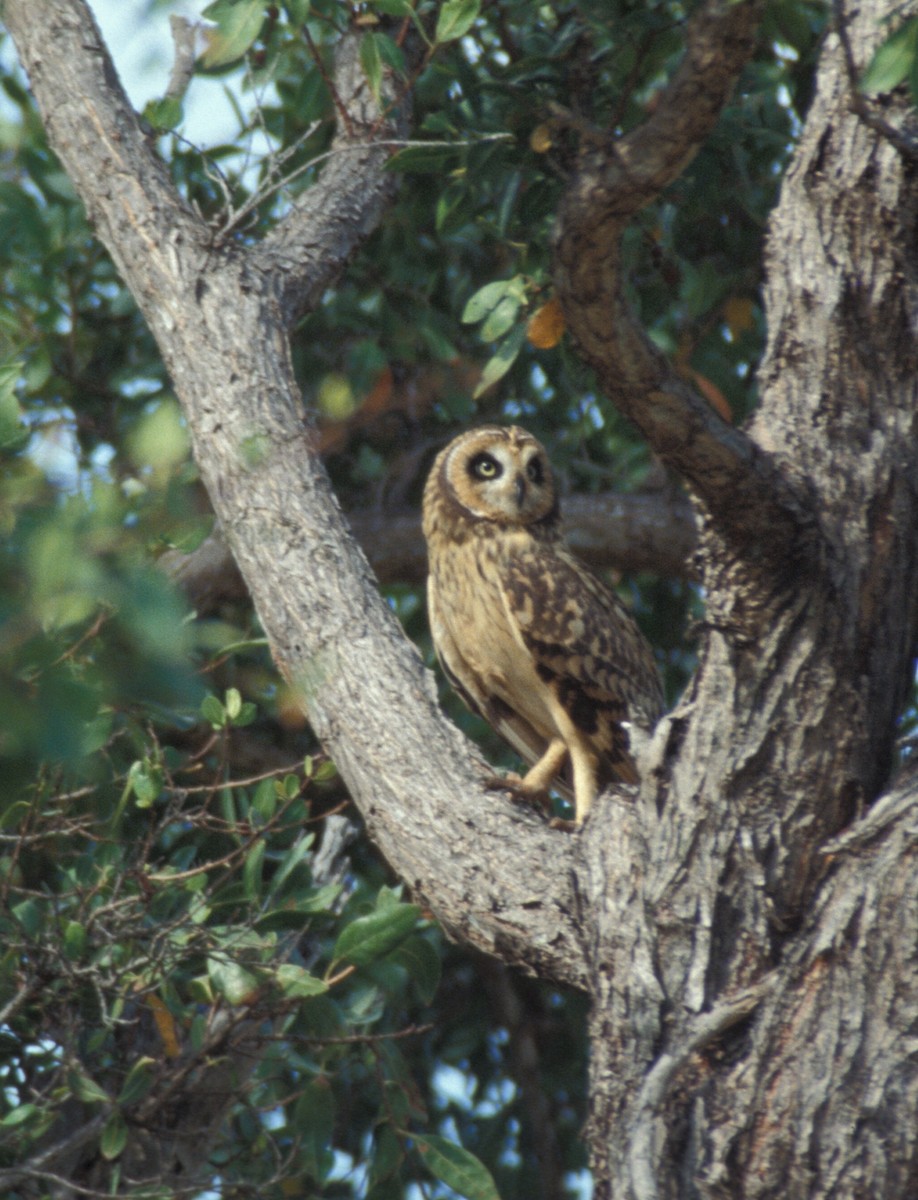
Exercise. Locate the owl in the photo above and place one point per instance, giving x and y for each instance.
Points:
(529, 638)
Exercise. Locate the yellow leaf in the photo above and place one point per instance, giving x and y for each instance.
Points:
(712, 393)
(739, 314)
(546, 325)
(165, 1026)
(540, 139)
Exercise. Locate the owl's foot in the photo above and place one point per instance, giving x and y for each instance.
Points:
(565, 825)
(518, 789)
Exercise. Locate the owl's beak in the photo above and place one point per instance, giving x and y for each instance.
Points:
(519, 487)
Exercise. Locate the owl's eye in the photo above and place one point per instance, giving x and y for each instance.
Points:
(534, 471)
(483, 466)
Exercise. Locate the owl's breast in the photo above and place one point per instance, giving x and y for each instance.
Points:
(476, 638)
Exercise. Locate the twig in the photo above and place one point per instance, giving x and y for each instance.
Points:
(358, 148)
(184, 35)
(329, 83)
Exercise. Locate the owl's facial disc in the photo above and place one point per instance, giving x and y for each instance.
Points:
(509, 483)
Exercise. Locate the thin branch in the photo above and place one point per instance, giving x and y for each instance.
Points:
(349, 196)
(184, 36)
(37, 1167)
(388, 144)
(89, 113)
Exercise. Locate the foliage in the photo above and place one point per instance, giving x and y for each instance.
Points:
(157, 878)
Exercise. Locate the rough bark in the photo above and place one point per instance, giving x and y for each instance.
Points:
(730, 945)
(809, 558)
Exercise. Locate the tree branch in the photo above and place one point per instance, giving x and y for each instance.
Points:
(738, 481)
(494, 875)
(305, 250)
(630, 533)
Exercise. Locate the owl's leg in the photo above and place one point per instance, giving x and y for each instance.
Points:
(534, 785)
(583, 764)
(537, 779)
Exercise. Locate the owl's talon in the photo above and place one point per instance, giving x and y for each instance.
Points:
(516, 787)
(565, 825)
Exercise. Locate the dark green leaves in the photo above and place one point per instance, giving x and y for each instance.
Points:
(456, 1167)
(455, 19)
(370, 937)
(238, 23)
(13, 432)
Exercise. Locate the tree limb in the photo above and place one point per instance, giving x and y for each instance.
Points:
(622, 532)
(301, 256)
(221, 321)
(737, 480)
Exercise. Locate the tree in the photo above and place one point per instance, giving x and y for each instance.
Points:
(744, 926)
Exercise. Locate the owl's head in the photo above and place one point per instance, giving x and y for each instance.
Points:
(495, 473)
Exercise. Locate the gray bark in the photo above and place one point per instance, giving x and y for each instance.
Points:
(734, 921)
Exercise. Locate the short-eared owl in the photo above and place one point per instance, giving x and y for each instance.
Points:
(530, 640)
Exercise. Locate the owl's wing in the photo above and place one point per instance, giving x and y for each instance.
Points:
(586, 646)
(482, 699)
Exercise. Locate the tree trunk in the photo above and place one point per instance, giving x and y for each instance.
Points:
(746, 925)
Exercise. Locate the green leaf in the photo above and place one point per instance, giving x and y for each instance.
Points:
(86, 1089)
(291, 860)
(233, 703)
(264, 802)
(13, 431)
(387, 1157)
(229, 979)
(893, 61)
(296, 981)
(325, 772)
(139, 1080)
(371, 62)
(393, 8)
(212, 710)
(500, 319)
(314, 1116)
(145, 781)
(238, 25)
(455, 19)
(114, 1135)
(164, 114)
(501, 361)
(369, 937)
(486, 299)
(422, 962)
(422, 159)
(318, 899)
(74, 939)
(456, 1167)
(25, 1112)
(31, 916)
(251, 872)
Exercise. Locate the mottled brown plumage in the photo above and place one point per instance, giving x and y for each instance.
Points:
(530, 640)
